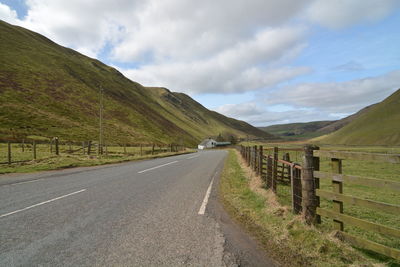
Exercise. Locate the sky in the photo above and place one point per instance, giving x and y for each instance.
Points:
(262, 61)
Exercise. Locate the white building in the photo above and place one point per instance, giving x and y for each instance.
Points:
(207, 143)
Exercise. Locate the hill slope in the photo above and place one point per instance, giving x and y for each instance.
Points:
(49, 90)
(298, 131)
(377, 125)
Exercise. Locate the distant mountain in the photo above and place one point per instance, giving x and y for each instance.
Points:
(298, 131)
(48, 90)
(336, 125)
(378, 124)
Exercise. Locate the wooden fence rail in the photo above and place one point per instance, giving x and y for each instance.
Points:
(304, 181)
(23, 151)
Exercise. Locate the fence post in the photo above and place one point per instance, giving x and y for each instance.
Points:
(141, 150)
(51, 146)
(286, 157)
(308, 187)
(89, 147)
(83, 147)
(124, 148)
(152, 150)
(255, 159)
(9, 152)
(57, 148)
(296, 188)
(316, 165)
(260, 161)
(269, 172)
(34, 149)
(275, 170)
(338, 189)
(23, 145)
(248, 156)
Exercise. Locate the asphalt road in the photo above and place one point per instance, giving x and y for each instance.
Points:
(148, 213)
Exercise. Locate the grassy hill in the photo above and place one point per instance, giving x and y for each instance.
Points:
(48, 90)
(377, 125)
(298, 131)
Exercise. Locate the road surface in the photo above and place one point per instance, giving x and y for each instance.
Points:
(148, 213)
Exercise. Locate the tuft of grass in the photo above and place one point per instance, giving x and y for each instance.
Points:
(283, 235)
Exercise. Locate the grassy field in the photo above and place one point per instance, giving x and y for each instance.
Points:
(283, 235)
(72, 156)
(385, 171)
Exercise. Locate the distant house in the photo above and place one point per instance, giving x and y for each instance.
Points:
(211, 143)
(207, 143)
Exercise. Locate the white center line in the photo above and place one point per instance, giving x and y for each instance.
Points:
(193, 157)
(26, 182)
(203, 206)
(158, 166)
(41, 203)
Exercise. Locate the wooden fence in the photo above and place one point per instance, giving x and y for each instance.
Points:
(23, 151)
(304, 182)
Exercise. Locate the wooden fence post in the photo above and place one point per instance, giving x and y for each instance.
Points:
(9, 152)
(51, 146)
(296, 188)
(255, 159)
(57, 148)
(249, 156)
(141, 150)
(260, 161)
(286, 157)
(124, 148)
(89, 147)
(337, 188)
(34, 149)
(275, 170)
(269, 172)
(152, 150)
(308, 187)
(316, 166)
(83, 147)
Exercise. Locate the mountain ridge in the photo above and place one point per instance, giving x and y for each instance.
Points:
(49, 90)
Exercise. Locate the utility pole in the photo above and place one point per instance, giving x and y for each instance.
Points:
(101, 122)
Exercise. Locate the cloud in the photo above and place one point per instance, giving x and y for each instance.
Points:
(248, 65)
(7, 14)
(342, 13)
(349, 66)
(86, 26)
(337, 97)
(182, 29)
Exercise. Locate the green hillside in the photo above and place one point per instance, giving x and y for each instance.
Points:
(298, 131)
(379, 125)
(47, 90)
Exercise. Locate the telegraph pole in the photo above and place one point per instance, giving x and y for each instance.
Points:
(101, 122)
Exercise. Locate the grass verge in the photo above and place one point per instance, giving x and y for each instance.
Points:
(70, 161)
(283, 235)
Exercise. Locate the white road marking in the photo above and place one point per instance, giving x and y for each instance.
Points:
(41, 203)
(158, 166)
(26, 182)
(193, 157)
(203, 206)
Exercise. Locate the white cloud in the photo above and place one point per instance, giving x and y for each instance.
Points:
(7, 14)
(338, 97)
(246, 66)
(338, 14)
